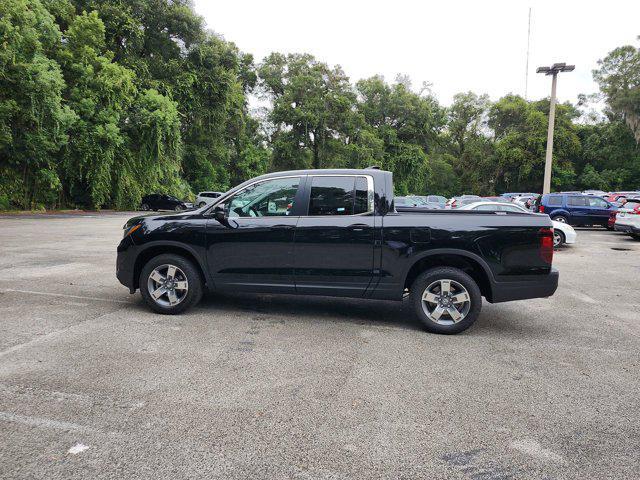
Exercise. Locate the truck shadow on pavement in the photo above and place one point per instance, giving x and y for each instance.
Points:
(386, 314)
(317, 308)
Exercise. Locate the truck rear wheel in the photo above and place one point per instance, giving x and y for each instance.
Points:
(170, 284)
(446, 300)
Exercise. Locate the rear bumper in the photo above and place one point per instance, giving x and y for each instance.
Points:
(524, 287)
(626, 228)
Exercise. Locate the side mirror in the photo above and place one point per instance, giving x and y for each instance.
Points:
(220, 214)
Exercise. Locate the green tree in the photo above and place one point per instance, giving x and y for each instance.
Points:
(520, 132)
(592, 179)
(312, 108)
(467, 140)
(33, 118)
(99, 92)
(409, 124)
(619, 78)
(153, 157)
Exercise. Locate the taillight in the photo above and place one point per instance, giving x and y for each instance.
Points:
(637, 210)
(541, 209)
(546, 244)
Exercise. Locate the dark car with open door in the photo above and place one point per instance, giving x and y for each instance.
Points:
(159, 201)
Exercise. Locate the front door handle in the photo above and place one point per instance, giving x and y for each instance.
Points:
(283, 227)
(358, 227)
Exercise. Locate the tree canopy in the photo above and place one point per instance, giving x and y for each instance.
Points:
(103, 101)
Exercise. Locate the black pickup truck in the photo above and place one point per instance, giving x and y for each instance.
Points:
(337, 233)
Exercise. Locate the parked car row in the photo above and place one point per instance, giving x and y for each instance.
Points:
(627, 218)
(429, 201)
(563, 233)
(613, 210)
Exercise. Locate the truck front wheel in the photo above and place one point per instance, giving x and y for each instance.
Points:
(170, 284)
(446, 300)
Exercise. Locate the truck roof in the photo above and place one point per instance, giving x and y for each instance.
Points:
(327, 171)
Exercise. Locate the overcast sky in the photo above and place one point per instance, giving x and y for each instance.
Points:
(457, 45)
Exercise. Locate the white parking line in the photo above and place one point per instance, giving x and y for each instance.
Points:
(583, 297)
(83, 297)
(78, 448)
(533, 448)
(45, 423)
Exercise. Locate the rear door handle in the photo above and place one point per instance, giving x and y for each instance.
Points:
(283, 227)
(358, 227)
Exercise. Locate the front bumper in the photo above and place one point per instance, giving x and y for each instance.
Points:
(523, 287)
(125, 263)
(570, 237)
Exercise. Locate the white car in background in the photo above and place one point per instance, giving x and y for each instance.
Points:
(628, 218)
(523, 199)
(206, 198)
(594, 193)
(563, 233)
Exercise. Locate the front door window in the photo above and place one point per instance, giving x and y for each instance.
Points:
(270, 198)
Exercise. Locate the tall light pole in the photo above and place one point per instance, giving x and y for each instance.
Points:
(553, 70)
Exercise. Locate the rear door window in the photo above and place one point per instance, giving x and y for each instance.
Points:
(510, 208)
(332, 196)
(487, 208)
(577, 201)
(339, 195)
(597, 202)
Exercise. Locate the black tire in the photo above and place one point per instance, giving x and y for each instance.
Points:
(145, 207)
(201, 204)
(560, 218)
(178, 208)
(562, 238)
(428, 278)
(195, 284)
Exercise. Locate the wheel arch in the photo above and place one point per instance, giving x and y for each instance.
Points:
(159, 248)
(468, 262)
(560, 212)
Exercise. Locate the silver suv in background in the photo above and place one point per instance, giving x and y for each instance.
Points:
(205, 198)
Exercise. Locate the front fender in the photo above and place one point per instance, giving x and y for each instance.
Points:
(150, 249)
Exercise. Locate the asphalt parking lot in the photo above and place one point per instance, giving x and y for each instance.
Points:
(94, 385)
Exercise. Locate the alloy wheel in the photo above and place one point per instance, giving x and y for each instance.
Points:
(168, 285)
(557, 239)
(446, 302)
